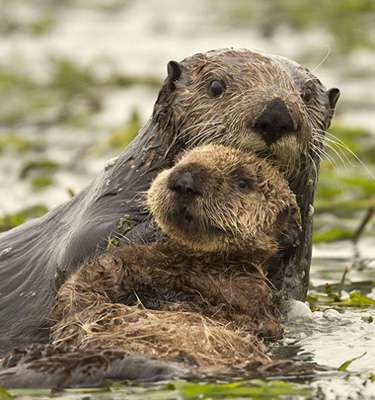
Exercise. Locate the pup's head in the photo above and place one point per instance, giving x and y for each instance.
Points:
(222, 199)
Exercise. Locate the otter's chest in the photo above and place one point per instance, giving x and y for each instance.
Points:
(198, 286)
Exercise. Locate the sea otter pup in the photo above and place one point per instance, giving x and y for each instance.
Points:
(200, 298)
(240, 98)
(202, 294)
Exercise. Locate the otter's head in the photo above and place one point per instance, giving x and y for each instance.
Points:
(218, 198)
(263, 103)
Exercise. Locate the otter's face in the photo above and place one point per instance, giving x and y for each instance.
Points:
(263, 103)
(221, 199)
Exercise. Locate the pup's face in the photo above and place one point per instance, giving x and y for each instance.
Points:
(218, 198)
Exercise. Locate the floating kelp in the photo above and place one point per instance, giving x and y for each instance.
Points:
(9, 221)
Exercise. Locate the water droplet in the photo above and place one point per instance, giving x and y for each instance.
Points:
(110, 163)
(331, 315)
(5, 251)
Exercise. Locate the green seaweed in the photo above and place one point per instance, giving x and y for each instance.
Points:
(70, 77)
(9, 221)
(70, 93)
(182, 390)
(344, 194)
(4, 394)
(39, 23)
(178, 389)
(253, 389)
(18, 144)
(42, 25)
(121, 137)
(112, 243)
(11, 78)
(349, 22)
(336, 187)
(343, 207)
(124, 225)
(71, 192)
(332, 299)
(41, 182)
(357, 139)
(345, 365)
(357, 299)
(124, 80)
(332, 235)
(37, 166)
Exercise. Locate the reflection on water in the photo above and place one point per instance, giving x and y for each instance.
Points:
(330, 261)
(335, 336)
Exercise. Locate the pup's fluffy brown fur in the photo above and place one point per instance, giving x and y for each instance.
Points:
(202, 295)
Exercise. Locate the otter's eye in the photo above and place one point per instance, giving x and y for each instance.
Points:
(216, 88)
(306, 95)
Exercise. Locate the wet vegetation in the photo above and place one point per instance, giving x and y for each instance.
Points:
(120, 137)
(11, 142)
(180, 390)
(346, 184)
(9, 221)
(69, 95)
(348, 22)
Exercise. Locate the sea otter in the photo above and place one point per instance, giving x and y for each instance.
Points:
(240, 98)
(223, 212)
(200, 297)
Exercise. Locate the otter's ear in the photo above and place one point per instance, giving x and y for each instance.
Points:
(333, 96)
(164, 98)
(174, 70)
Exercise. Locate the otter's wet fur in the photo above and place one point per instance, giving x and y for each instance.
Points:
(250, 82)
(189, 111)
(202, 295)
(46, 366)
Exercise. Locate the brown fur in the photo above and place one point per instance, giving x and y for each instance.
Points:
(252, 81)
(202, 295)
(49, 249)
(224, 218)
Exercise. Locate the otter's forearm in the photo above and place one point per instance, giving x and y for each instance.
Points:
(97, 281)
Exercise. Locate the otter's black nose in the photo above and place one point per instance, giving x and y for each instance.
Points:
(184, 184)
(274, 122)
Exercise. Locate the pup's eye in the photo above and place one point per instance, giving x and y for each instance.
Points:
(216, 88)
(306, 95)
(243, 184)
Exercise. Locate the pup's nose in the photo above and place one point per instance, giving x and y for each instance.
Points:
(274, 122)
(184, 184)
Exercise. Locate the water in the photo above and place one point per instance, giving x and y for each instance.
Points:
(338, 334)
